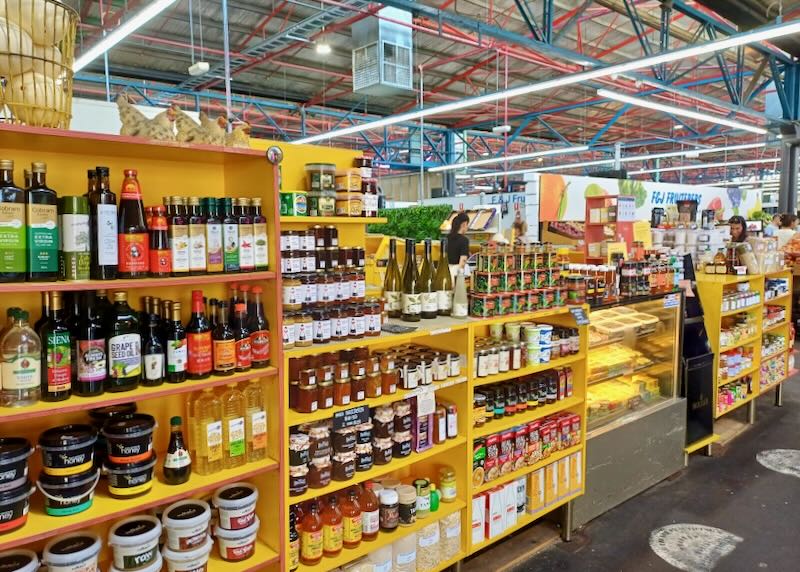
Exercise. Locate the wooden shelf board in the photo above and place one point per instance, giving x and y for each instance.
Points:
(294, 418)
(498, 425)
(700, 443)
(75, 403)
(105, 508)
(524, 471)
(775, 326)
(333, 220)
(741, 343)
(383, 539)
(130, 284)
(513, 374)
(378, 471)
(263, 557)
(525, 520)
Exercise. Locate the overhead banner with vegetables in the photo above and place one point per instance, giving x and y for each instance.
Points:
(561, 197)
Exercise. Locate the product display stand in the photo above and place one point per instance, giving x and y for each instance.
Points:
(621, 228)
(164, 169)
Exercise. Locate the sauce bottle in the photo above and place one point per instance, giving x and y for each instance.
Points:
(258, 327)
(214, 258)
(134, 244)
(104, 224)
(198, 338)
(351, 520)
(153, 355)
(244, 355)
(13, 237)
(160, 254)
(92, 355)
(230, 236)
(56, 354)
(247, 261)
(260, 244)
(197, 237)
(370, 513)
(311, 536)
(42, 225)
(124, 346)
(178, 236)
(177, 462)
(224, 343)
(177, 353)
(294, 543)
(331, 527)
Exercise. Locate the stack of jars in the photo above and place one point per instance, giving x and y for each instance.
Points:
(345, 192)
(324, 290)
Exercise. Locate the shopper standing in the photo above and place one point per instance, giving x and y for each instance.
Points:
(772, 228)
(787, 230)
(458, 244)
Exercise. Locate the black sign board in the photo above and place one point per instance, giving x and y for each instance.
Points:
(351, 417)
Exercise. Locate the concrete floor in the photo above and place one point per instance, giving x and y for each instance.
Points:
(732, 492)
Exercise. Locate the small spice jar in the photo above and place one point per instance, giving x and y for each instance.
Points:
(298, 480)
(382, 451)
(341, 392)
(389, 381)
(344, 440)
(402, 444)
(423, 487)
(344, 466)
(364, 459)
(389, 515)
(402, 416)
(325, 394)
(320, 473)
(407, 509)
(383, 422)
(364, 433)
(307, 399)
(319, 441)
(374, 385)
(358, 388)
(299, 445)
(478, 410)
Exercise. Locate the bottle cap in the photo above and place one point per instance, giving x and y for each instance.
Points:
(239, 308)
(7, 164)
(244, 288)
(175, 420)
(257, 290)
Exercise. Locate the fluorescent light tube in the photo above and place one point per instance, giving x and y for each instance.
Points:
(510, 158)
(707, 166)
(758, 35)
(671, 109)
(121, 32)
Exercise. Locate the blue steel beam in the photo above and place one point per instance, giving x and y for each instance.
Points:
(530, 20)
(620, 112)
(553, 130)
(722, 63)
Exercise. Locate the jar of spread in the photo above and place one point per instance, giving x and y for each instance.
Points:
(319, 437)
(308, 283)
(293, 293)
(326, 289)
(374, 384)
(423, 487)
(364, 433)
(308, 376)
(478, 410)
(321, 325)
(344, 288)
(299, 447)
(304, 326)
(364, 459)
(307, 399)
(358, 388)
(402, 444)
(387, 360)
(333, 257)
(289, 240)
(358, 367)
(409, 374)
(325, 394)
(341, 392)
(309, 260)
(344, 440)
(319, 236)
(340, 324)
(402, 416)
(383, 422)
(358, 285)
(331, 236)
(358, 323)
(320, 472)
(455, 364)
(323, 258)
(298, 480)
(389, 512)
(504, 358)
(407, 509)
(344, 466)
(372, 318)
(294, 390)
(382, 451)
(389, 381)
(482, 367)
(288, 331)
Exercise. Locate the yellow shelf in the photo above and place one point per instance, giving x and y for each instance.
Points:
(378, 471)
(782, 297)
(560, 362)
(746, 342)
(383, 539)
(524, 520)
(775, 326)
(773, 355)
(498, 425)
(294, 418)
(741, 310)
(726, 279)
(778, 272)
(452, 562)
(263, 557)
(699, 444)
(765, 388)
(745, 373)
(737, 405)
(333, 220)
(105, 508)
(514, 475)
(75, 403)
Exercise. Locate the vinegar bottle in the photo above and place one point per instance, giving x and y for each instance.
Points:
(21, 362)
(311, 536)
(234, 409)
(206, 425)
(12, 232)
(331, 528)
(370, 507)
(255, 422)
(351, 520)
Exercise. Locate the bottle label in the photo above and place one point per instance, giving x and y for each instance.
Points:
(106, 239)
(430, 302)
(259, 345)
(359, 288)
(75, 258)
(12, 237)
(91, 360)
(393, 301)
(246, 253)
(332, 537)
(21, 372)
(244, 353)
(258, 421)
(260, 247)
(197, 247)
(153, 366)
(134, 252)
(412, 303)
(373, 323)
(199, 353)
(352, 528)
(294, 554)
(370, 522)
(59, 362)
(131, 190)
(460, 310)
(423, 503)
(224, 355)
(230, 234)
(236, 433)
(177, 356)
(160, 261)
(311, 545)
(444, 300)
(179, 246)
(124, 356)
(42, 238)
(214, 247)
(214, 440)
(177, 459)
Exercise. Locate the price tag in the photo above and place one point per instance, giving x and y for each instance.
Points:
(426, 403)
(672, 300)
(351, 417)
(580, 316)
(440, 331)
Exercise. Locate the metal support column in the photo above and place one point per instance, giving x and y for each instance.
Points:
(787, 195)
(566, 522)
(779, 395)
(227, 47)
(751, 412)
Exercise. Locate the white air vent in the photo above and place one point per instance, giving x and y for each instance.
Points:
(383, 54)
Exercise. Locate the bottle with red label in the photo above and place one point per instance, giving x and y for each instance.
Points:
(160, 254)
(134, 243)
(224, 343)
(56, 354)
(91, 355)
(198, 340)
(258, 327)
(244, 354)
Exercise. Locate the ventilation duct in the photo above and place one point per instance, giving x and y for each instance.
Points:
(383, 53)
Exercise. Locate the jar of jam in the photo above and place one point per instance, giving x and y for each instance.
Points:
(389, 381)
(387, 360)
(402, 416)
(323, 259)
(344, 466)
(299, 447)
(320, 472)
(478, 410)
(319, 236)
(325, 394)
(322, 326)
(319, 437)
(360, 257)
(361, 352)
(358, 322)
(325, 372)
(307, 239)
(309, 289)
(372, 319)
(308, 376)
(358, 388)
(341, 392)
(326, 288)
(358, 367)
(289, 240)
(292, 294)
(343, 286)
(402, 444)
(340, 323)
(455, 364)
(288, 331)
(296, 364)
(344, 440)
(345, 257)
(332, 257)
(298, 480)
(383, 422)
(409, 374)
(331, 236)
(304, 326)
(309, 260)
(307, 399)
(294, 390)
(358, 285)
(374, 384)
(364, 433)
(364, 460)
(382, 451)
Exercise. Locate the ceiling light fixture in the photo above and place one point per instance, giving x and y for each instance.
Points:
(510, 158)
(671, 109)
(707, 166)
(323, 48)
(758, 35)
(120, 33)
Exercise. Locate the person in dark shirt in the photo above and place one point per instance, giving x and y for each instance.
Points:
(458, 244)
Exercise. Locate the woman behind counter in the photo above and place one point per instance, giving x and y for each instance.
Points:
(738, 228)
(458, 244)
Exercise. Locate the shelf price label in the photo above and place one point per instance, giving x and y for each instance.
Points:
(672, 300)
(580, 316)
(351, 417)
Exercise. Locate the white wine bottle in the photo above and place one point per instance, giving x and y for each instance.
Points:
(460, 301)
(430, 307)
(443, 282)
(393, 283)
(412, 295)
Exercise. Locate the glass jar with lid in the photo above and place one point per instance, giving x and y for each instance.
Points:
(358, 387)
(478, 410)
(320, 472)
(304, 328)
(341, 392)
(319, 437)
(374, 385)
(307, 399)
(447, 484)
(358, 323)
(325, 394)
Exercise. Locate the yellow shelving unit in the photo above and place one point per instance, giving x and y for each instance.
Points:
(781, 328)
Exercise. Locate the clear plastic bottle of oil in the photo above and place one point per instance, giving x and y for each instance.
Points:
(205, 421)
(234, 439)
(255, 422)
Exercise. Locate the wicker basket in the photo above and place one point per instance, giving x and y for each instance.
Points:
(37, 44)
